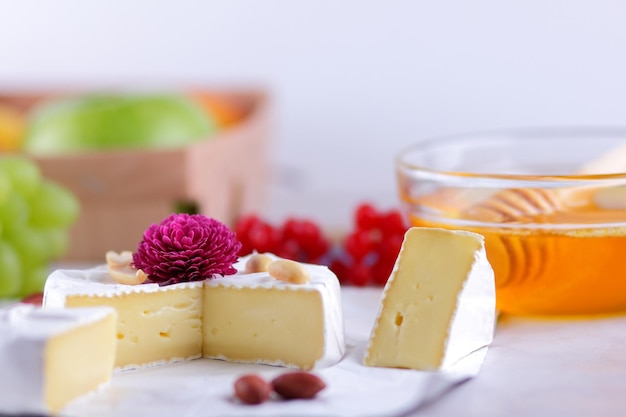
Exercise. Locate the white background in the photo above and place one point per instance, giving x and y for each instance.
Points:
(353, 81)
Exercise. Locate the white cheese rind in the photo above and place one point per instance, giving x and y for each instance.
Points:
(474, 320)
(96, 282)
(25, 331)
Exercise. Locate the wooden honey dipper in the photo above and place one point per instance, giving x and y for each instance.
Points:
(516, 203)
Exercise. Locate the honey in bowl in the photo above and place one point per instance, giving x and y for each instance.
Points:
(557, 243)
(554, 271)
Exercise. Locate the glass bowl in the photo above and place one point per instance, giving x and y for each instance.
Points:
(550, 202)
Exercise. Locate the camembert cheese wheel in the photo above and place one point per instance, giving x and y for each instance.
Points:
(245, 317)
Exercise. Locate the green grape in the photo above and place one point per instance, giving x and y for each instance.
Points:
(14, 213)
(57, 240)
(31, 244)
(10, 271)
(34, 279)
(5, 186)
(53, 206)
(23, 173)
(34, 217)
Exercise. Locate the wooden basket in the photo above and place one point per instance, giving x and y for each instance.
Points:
(124, 192)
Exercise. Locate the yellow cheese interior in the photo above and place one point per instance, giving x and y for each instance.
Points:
(153, 327)
(420, 299)
(247, 325)
(78, 361)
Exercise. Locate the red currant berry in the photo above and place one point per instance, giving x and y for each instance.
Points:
(360, 275)
(35, 298)
(289, 249)
(381, 272)
(290, 229)
(389, 248)
(308, 234)
(316, 248)
(391, 223)
(242, 230)
(358, 244)
(244, 223)
(263, 238)
(366, 217)
(246, 247)
(341, 270)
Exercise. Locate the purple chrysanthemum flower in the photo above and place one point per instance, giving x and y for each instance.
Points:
(187, 247)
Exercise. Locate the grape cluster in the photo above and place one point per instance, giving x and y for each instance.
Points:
(35, 215)
(365, 256)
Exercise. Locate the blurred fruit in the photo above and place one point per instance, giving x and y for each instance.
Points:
(22, 174)
(226, 110)
(296, 239)
(33, 298)
(5, 187)
(12, 128)
(372, 247)
(52, 206)
(365, 256)
(105, 122)
(35, 216)
(10, 271)
(34, 279)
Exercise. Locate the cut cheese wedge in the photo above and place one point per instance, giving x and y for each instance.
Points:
(255, 318)
(49, 357)
(156, 325)
(438, 304)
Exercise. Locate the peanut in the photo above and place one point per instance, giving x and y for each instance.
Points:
(302, 385)
(288, 271)
(252, 389)
(121, 269)
(258, 263)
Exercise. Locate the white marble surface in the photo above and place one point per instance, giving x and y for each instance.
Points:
(546, 367)
(536, 367)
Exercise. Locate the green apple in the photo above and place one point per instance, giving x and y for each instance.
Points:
(117, 121)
